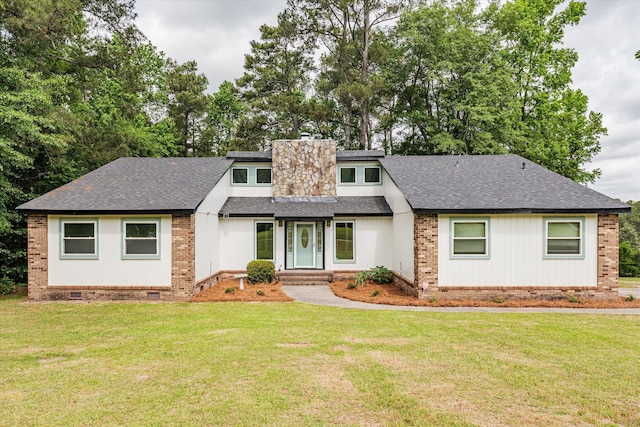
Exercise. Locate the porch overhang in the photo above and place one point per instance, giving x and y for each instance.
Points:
(305, 209)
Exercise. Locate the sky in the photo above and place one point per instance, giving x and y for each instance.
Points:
(216, 34)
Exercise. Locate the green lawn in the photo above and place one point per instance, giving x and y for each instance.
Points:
(629, 282)
(291, 364)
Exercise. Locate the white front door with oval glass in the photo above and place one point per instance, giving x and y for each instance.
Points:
(305, 245)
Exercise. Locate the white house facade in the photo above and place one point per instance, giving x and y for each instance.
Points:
(446, 226)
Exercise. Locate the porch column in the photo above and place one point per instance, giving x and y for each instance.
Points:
(425, 251)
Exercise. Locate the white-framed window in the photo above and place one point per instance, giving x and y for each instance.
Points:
(239, 175)
(359, 174)
(372, 175)
(263, 175)
(564, 237)
(469, 237)
(347, 175)
(344, 241)
(264, 240)
(251, 175)
(140, 238)
(79, 238)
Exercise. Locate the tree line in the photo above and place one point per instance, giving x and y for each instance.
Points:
(82, 86)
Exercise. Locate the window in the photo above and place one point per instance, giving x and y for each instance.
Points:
(366, 174)
(563, 237)
(79, 238)
(348, 175)
(263, 176)
(264, 240)
(344, 241)
(470, 237)
(141, 238)
(372, 175)
(240, 175)
(250, 175)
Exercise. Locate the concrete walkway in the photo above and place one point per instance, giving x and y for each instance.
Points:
(322, 295)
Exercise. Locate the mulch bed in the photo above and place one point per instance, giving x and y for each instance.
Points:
(251, 293)
(391, 294)
(386, 294)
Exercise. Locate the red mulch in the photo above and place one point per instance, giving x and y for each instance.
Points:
(250, 293)
(391, 294)
(387, 294)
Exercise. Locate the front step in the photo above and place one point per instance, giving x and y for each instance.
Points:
(305, 277)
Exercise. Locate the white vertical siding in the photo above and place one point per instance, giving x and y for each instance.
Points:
(237, 242)
(401, 242)
(207, 230)
(516, 256)
(110, 269)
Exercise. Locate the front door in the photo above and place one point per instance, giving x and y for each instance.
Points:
(305, 245)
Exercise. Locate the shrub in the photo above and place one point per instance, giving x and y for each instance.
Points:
(260, 292)
(574, 299)
(6, 286)
(351, 285)
(375, 293)
(362, 277)
(229, 291)
(630, 298)
(260, 271)
(381, 275)
(497, 299)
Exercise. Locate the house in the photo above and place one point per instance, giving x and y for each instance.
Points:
(447, 226)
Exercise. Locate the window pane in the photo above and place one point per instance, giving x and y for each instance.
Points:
(264, 240)
(79, 229)
(469, 229)
(348, 175)
(140, 247)
(79, 246)
(563, 246)
(564, 229)
(469, 247)
(263, 176)
(371, 174)
(239, 176)
(141, 230)
(344, 240)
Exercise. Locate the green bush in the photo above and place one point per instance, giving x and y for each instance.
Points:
(362, 277)
(7, 286)
(260, 292)
(229, 290)
(260, 271)
(381, 275)
(375, 293)
(351, 285)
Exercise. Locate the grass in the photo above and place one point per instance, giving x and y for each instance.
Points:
(629, 282)
(291, 364)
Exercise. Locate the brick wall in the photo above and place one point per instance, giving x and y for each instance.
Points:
(37, 255)
(183, 258)
(608, 253)
(425, 251)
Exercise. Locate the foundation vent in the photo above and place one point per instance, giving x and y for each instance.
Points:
(153, 296)
(75, 295)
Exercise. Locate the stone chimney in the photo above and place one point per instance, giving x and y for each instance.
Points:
(304, 168)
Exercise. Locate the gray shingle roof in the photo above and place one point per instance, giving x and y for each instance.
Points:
(499, 183)
(142, 185)
(250, 156)
(341, 206)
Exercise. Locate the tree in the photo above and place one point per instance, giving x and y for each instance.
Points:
(223, 117)
(452, 92)
(553, 124)
(276, 78)
(347, 30)
(187, 106)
